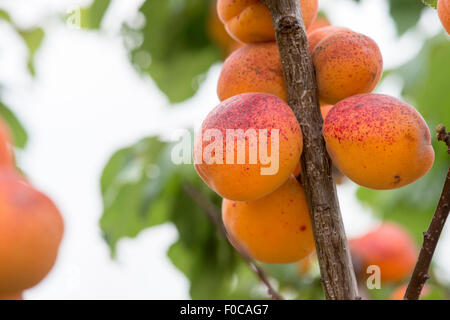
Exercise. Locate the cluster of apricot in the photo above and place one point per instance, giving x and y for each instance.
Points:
(31, 228)
(376, 140)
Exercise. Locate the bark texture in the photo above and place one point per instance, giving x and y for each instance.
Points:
(338, 277)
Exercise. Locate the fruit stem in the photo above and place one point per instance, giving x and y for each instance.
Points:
(214, 215)
(337, 274)
(432, 235)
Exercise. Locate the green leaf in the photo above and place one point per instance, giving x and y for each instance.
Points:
(430, 3)
(406, 13)
(174, 47)
(92, 16)
(136, 187)
(426, 88)
(33, 39)
(19, 135)
(5, 16)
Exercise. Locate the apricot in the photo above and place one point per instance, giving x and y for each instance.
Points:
(347, 63)
(12, 296)
(443, 9)
(219, 35)
(318, 35)
(31, 229)
(258, 156)
(378, 141)
(252, 68)
(249, 21)
(320, 22)
(390, 248)
(399, 293)
(273, 229)
(6, 157)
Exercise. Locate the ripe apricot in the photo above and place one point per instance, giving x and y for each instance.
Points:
(252, 68)
(249, 21)
(347, 63)
(249, 145)
(273, 229)
(6, 157)
(318, 35)
(31, 229)
(390, 248)
(218, 34)
(378, 141)
(320, 22)
(12, 296)
(443, 9)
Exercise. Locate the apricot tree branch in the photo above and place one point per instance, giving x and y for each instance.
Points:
(432, 235)
(214, 215)
(338, 277)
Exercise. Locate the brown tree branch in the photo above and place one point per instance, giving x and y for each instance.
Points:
(432, 235)
(214, 215)
(338, 277)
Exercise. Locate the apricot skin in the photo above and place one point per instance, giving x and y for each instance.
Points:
(319, 34)
(378, 141)
(249, 21)
(6, 157)
(31, 229)
(252, 68)
(249, 111)
(443, 8)
(347, 63)
(12, 296)
(390, 248)
(273, 229)
(320, 22)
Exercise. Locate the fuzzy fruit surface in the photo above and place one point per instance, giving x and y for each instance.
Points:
(443, 8)
(31, 229)
(319, 34)
(390, 248)
(273, 229)
(12, 296)
(347, 63)
(255, 111)
(252, 68)
(249, 21)
(378, 141)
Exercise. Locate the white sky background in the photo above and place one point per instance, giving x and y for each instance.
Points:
(87, 101)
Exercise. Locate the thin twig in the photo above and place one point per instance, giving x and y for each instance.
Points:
(336, 269)
(431, 236)
(214, 215)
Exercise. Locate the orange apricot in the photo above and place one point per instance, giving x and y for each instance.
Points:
(6, 156)
(248, 146)
(252, 68)
(273, 229)
(320, 22)
(219, 35)
(378, 141)
(249, 21)
(443, 9)
(390, 248)
(347, 63)
(12, 296)
(399, 293)
(31, 229)
(318, 35)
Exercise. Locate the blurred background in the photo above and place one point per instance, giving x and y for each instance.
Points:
(94, 92)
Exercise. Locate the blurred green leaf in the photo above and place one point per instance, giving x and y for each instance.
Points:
(430, 3)
(5, 16)
(91, 17)
(33, 39)
(173, 47)
(406, 13)
(18, 132)
(426, 87)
